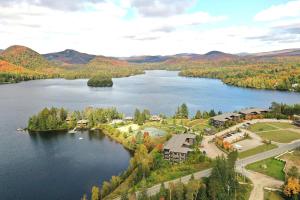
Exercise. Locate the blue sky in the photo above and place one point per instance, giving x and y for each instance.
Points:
(144, 27)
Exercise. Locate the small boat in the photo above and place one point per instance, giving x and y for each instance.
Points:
(81, 138)
(20, 129)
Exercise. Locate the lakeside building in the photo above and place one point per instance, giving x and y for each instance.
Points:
(128, 118)
(220, 120)
(82, 123)
(155, 118)
(253, 113)
(246, 114)
(178, 147)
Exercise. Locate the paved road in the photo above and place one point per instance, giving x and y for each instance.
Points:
(240, 164)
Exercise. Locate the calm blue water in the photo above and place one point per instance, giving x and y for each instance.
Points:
(64, 167)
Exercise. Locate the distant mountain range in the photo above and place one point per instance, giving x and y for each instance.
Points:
(28, 58)
(69, 56)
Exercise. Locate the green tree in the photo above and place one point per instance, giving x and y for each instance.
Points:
(95, 193)
(198, 115)
(136, 117)
(184, 111)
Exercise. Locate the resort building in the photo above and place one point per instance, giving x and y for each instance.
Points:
(253, 113)
(117, 121)
(220, 120)
(128, 118)
(178, 147)
(247, 114)
(296, 120)
(155, 118)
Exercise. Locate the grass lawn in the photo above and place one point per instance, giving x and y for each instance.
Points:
(261, 127)
(282, 136)
(270, 195)
(282, 125)
(256, 150)
(274, 168)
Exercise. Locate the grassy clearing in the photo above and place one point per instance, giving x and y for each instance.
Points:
(270, 167)
(258, 127)
(282, 136)
(271, 195)
(282, 125)
(256, 150)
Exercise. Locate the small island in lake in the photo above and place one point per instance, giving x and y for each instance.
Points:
(100, 81)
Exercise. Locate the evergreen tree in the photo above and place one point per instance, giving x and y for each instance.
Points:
(184, 111)
(212, 113)
(198, 115)
(136, 117)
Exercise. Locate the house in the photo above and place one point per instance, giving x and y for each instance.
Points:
(296, 121)
(82, 123)
(253, 113)
(155, 118)
(178, 147)
(128, 118)
(116, 121)
(220, 120)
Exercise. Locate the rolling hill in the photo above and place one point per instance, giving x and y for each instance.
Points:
(69, 56)
(25, 57)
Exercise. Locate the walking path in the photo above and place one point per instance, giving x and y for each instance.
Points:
(260, 181)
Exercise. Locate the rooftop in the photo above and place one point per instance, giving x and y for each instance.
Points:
(253, 110)
(176, 143)
(226, 116)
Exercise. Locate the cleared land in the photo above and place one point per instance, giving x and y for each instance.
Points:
(292, 159)
(276, 131)
(270, 167)
(256, 150)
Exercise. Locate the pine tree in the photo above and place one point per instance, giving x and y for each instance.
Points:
(198, 115)
(184, 111)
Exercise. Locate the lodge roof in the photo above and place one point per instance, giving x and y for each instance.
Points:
(176, 143)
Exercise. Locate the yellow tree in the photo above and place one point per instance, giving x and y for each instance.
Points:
(292, 187)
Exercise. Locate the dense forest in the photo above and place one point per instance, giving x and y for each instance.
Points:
(53, 119)
(59, 119)
(100, 81)
(280, 75)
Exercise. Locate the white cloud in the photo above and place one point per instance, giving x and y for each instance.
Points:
(102, 28)
(276, 12)
(161, 7)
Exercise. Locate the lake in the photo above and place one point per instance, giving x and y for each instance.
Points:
(64, 166)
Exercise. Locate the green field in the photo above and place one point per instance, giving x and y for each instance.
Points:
(256, 150)
(261, 127)
(282, 136)
(276, 131)
(274, 168)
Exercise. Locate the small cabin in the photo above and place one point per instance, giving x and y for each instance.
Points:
(82, 123)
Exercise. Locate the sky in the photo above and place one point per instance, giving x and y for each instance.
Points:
(144, 27)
